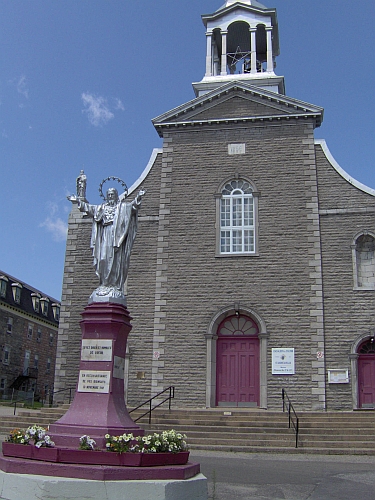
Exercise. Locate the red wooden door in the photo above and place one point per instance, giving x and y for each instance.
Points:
(237, 362)
(366, 380)
(238, 371)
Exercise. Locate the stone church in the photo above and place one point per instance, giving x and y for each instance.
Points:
(253, 269)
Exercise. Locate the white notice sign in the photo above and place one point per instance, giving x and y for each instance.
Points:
(283, 361)
(94, 381)
(96, 350)
(118, 367)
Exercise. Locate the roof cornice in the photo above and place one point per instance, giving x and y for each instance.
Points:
(175, 117)
(238, 5)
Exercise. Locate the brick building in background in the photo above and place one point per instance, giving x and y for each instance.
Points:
(29, 323)
(254, 265)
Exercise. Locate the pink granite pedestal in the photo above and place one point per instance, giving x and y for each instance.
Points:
(99, 406)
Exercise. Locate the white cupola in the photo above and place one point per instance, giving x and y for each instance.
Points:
(242, 44)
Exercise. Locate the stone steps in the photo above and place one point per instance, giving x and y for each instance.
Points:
(243, 430)
(26, 418)
(263, 431)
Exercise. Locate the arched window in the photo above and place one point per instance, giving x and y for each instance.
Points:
(364, 261)
(367, 347)
(237, 218)
(237, 325)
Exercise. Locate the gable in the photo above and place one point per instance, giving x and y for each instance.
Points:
(237, 101)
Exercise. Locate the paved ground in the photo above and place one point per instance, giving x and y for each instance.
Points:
(242, 476)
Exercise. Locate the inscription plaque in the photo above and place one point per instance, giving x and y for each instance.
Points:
(94, 381)
(236, 149)
(96, 350)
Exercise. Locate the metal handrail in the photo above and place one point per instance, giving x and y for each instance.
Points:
(70, 389)
(14, 403)
(293, 422)
(149, 402)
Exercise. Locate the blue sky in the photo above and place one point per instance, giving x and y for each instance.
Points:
(80, 81)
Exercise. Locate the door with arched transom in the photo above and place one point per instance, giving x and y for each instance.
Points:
(366, 374)
(237, 363)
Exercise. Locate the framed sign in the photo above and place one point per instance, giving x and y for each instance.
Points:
(283, 361)
(338, 376)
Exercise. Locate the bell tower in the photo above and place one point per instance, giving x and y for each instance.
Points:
(242, 45)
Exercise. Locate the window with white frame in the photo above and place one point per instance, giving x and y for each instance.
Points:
(35, 297)
(39, 335)
(16, 289)
(363, 249)
(3, 286)
(48, 368)
(237, 218)
(6, 355)
(44, 304)
(36, 361)
(56, 311)
(30, 331)
(10, 325)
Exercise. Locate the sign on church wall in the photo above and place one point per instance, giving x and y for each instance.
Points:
(283, 361)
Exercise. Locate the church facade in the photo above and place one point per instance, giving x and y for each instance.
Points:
(253, 269)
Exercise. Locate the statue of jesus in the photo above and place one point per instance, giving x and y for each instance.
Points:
(113, 232)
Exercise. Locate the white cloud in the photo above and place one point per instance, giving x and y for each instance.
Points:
(119, 105)
(22, 87)
(57, 227)
(97, 109)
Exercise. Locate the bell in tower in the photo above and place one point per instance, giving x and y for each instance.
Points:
(242, 44)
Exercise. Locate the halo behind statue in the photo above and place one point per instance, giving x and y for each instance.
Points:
(111, 178)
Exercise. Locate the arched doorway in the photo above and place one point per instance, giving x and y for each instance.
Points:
(366, 374)
(237, 362)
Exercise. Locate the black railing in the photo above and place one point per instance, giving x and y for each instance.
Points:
(70, 389)
(31, 399)
(149, 402)
(292, 415)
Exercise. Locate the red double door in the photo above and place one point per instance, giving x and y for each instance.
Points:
(237, 380)
(366, 380)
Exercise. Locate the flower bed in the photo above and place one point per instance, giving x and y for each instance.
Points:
(166, 448)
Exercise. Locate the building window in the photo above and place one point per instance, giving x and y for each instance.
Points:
(56, 311)
(44, 304)
(3, 286)
(30, 331)
(363, 250)
(237, 205)
(10, 325)
(39, 335)
(6, 355)
(36, 361)
(3, 384)
(51, 338)
(48, 365)
(16, 289)
(35, 297)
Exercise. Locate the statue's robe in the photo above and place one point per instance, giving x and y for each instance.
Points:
(112, 240)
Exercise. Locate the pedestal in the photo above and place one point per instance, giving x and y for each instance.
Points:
(99, 406)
